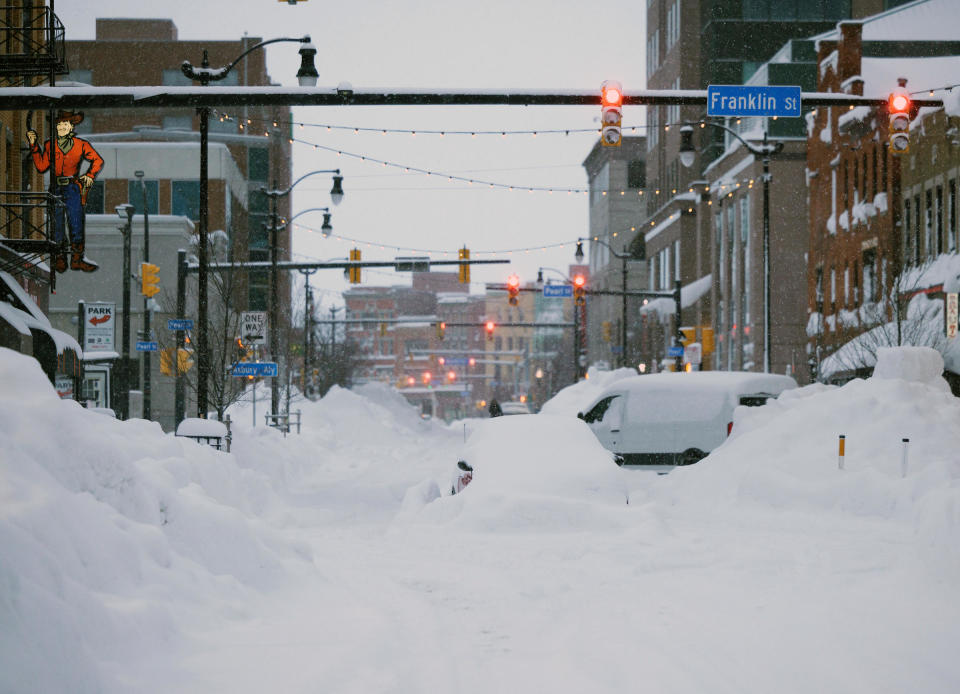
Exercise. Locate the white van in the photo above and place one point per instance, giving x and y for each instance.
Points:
(675, 418)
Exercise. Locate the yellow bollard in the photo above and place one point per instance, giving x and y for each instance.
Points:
(843, 440)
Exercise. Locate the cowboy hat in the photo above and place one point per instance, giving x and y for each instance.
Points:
(74, 117)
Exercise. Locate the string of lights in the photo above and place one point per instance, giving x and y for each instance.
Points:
(945, 88)
(251, 123)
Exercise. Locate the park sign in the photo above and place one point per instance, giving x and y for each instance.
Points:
(738, 101)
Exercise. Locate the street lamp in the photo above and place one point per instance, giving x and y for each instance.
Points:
(146, 300)
(764, 151)
(307, 77)
(326, 228)
(125, 212)
(639, 253)
(336, 197)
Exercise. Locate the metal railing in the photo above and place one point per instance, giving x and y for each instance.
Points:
(283, 421)
(32, 43)
(26, 226)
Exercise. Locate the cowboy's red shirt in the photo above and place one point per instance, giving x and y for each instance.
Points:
(68, 163)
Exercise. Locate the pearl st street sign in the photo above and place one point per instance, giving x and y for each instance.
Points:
(557, 291)
(737, 101)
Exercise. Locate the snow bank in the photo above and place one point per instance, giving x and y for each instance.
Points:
(784, 455)
(574, 398)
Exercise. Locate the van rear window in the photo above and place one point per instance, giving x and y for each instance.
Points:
(754, 400)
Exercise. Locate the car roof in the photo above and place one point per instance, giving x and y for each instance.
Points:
(720, 382)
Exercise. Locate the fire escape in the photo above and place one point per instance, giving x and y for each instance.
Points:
(32, 50)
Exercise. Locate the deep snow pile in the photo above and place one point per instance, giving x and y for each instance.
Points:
(575, 398)
(786, 453)
(131, 560)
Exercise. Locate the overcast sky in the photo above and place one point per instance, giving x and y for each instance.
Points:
(532, 44)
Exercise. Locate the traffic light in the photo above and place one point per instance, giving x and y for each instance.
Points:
(513, 287)
(464, 272)
(689, 336)
(706, 339)
(354, 271)
(166, 362)
(489, 327)
(383, 330)
(427, 376)
(579, 289)
(149, 279)
(898, 107)
(441, 330)
(606, 330)
(611, 113)
(451, 376)
(184, 362)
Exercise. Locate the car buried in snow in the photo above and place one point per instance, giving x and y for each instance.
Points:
(540, 454)
(660, 421)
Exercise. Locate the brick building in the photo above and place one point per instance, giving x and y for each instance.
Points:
(692, 44)
(877, 219)
(127, 52)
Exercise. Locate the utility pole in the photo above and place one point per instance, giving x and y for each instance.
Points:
(307, 324)
(146, 299)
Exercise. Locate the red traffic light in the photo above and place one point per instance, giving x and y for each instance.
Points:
(490, 326)
(579, 281)
(427, 376)
(899, 102)
(513, 282)
(611, 93)
(451, 375)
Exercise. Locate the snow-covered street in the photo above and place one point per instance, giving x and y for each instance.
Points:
(133, 561)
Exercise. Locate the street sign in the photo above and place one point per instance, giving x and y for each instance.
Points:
(253, 327)
(675, 351)
(146, 346)
(180, 324)
(254, 368)
(741, 100)
(98, 326)
(456, 361)
(953, 312)
(557, 291)
(413, 264)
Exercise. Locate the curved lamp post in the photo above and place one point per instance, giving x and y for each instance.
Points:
(764, 151)
(336, 197)
(639, 254)
(307, 77)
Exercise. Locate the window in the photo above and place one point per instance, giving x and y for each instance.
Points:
(870, 275)
(846, 285)
(952, 216)
(673, 24)
(907, 236)
(653, 52)
(676, 260)
(135, 196)
(745, 248)
(917, 223)
(258, 159)
(178, 122)
(928, 223)
(940, 244)
(637, 174)
(833, 290)
(186, 199)
(95, 203)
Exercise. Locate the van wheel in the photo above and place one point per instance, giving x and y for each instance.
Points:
(691, 456)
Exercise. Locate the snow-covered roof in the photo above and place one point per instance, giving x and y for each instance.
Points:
(880, 74)
(198, 427)
(922, 20)
(726, 382)
(689, 295)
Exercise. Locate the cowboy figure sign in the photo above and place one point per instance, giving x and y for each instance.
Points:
(66, 182)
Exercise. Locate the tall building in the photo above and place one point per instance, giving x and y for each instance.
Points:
(616, 178)
(692, 44)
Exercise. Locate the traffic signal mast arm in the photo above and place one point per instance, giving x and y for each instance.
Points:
(152, 97)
